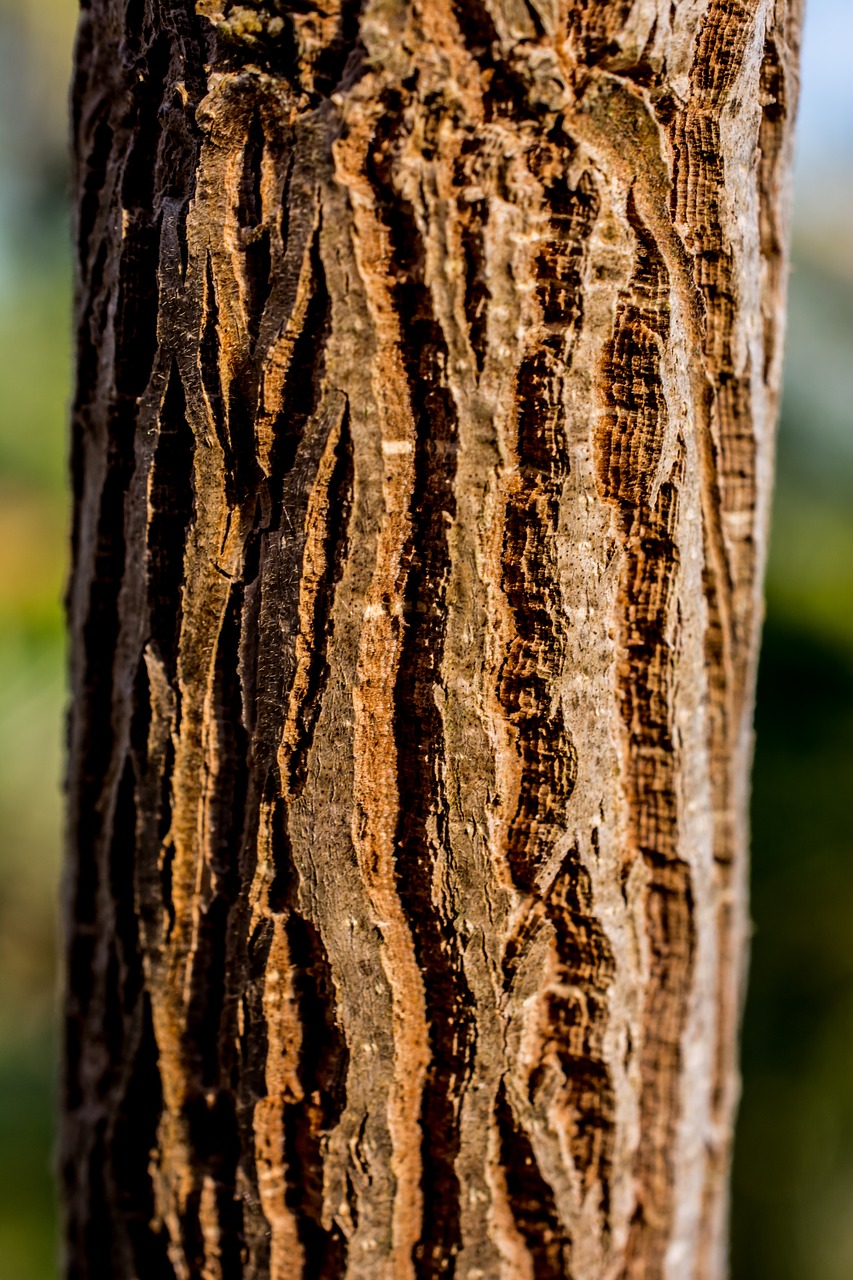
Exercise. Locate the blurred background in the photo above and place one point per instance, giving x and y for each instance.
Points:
(793, 1177)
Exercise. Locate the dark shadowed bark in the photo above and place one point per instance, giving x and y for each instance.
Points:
(428, 365)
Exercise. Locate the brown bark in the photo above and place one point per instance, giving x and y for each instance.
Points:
(428, 364)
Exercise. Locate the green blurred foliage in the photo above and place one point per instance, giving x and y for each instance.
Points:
(35, 44)
(34, 376)
(793, 1176)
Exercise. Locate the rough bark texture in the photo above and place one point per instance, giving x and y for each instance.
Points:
(422, 443)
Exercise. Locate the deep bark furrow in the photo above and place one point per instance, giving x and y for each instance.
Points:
(531, 1199)
(322, 1073)
(170, 498)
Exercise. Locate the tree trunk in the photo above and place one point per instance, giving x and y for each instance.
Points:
(428, 364)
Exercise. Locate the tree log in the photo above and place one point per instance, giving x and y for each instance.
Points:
(428, 366)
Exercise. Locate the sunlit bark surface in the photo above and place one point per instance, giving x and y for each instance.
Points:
(428, 365)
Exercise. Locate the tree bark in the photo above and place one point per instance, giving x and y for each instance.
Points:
(428, 365)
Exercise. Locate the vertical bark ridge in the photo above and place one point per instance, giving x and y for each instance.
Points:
(643, 481)
(737, 58)
(325, 552)
(293, 585)
(571, 1077)
(428, 358)
(422, 835)
(530, 579)
(376, 763)
(699, 200)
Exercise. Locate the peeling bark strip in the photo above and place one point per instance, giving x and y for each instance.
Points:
(428, 363)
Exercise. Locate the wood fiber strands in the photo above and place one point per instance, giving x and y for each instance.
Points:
(428, 366)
